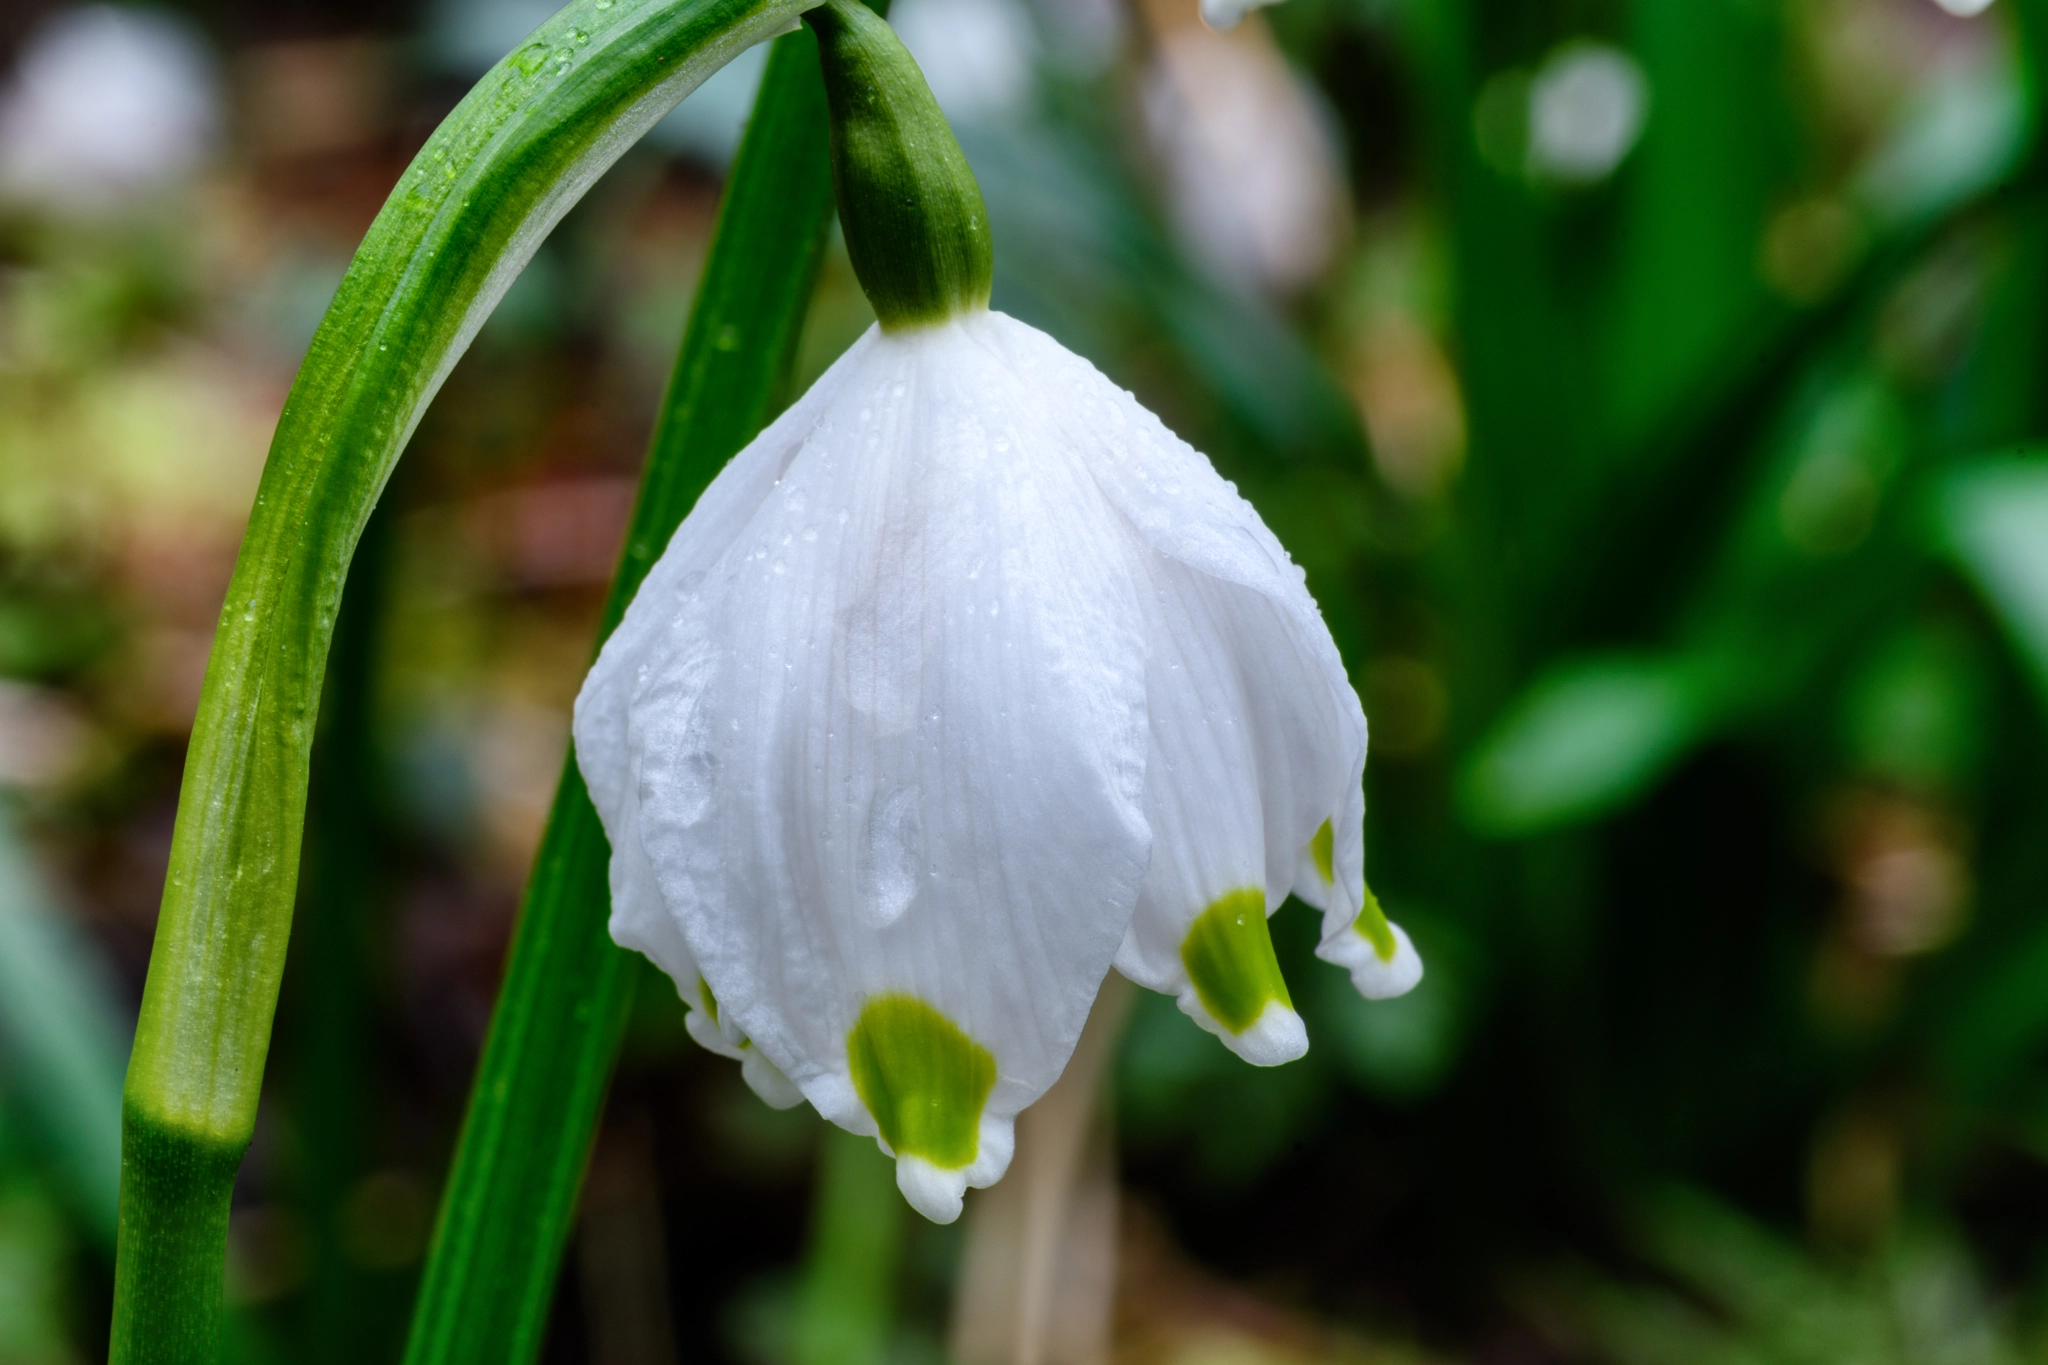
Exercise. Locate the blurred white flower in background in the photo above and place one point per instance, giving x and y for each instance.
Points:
(1250, 157)
(1586, 109)
(1964, 9)
(106, 102)
(1228, 13)
(1082, 37)
(977, 55)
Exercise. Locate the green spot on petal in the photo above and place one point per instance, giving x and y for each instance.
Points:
(1229, 958)
(709, 1000)
(1323, 848)
(1371, 925)
(922, 1078)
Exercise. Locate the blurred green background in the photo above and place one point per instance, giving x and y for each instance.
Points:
(1651, 390)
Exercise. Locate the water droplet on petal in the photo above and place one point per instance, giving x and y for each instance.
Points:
(890, 852)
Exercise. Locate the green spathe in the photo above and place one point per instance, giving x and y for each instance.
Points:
(922, 1079)
(1229, 958)
(912, 212)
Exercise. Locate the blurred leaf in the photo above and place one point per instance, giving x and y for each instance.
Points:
(561, 1013)
(46, 635)
(1402, 1049)
(34, 1248)
(1914, 716)
(1752, 1298)
(1078, 255)
(846, 1296)
(1967, 131)
(1697, 193)
(1585, 739)
(1998, 1027)
(63, 1036)
(1994, 519)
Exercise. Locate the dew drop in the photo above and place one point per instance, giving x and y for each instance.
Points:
(888, 856)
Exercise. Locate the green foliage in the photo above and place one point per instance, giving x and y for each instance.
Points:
(1743, 1295)
(561, 1012)
(1703, 640)
(1994, 518)
(490, 183)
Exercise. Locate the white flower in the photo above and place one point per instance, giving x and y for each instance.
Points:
(965, 681)
(1229, 13)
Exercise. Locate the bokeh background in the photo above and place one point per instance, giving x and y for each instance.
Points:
(1649, 388)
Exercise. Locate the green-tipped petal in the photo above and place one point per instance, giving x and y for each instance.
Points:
(926, 1084)
(1377, 952)
(1235, 978)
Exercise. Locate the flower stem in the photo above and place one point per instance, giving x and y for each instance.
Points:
(845, 1299)
(915, 224)
(468, 213)
(556, 1028)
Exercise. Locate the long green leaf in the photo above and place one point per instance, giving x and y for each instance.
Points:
(556, 1029)
(493, 179)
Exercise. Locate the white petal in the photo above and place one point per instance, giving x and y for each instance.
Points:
(766, 1080)
(1377, 977)
(1309, 732)
(722, 512)
(1230, 596)
(1310, 729)
(1199, 933)
(892, 743)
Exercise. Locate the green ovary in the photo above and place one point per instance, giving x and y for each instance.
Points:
(922, 1079)
(1229, 958)
(1323, 848)
(1371, 925)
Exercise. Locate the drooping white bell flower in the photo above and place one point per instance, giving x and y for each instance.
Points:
(964, 682)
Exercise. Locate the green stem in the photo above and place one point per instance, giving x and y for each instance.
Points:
(846, 1295)
(556, 1028)
(469, 212)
